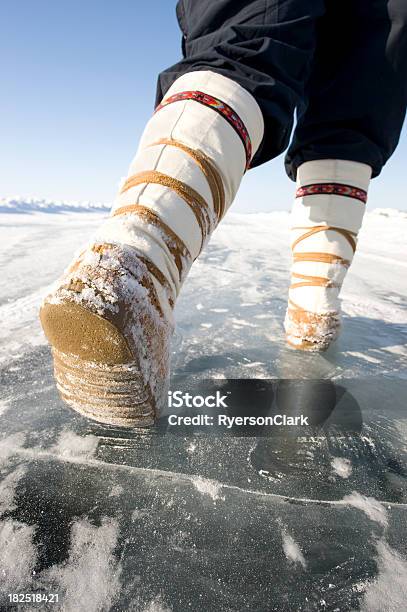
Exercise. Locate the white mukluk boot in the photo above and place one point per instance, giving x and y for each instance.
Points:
(109, 318)
(327, 215)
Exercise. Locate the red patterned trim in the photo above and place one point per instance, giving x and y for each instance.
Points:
(332, 188)
(220, 107)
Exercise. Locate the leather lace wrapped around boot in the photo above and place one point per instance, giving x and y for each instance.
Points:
(109, 318)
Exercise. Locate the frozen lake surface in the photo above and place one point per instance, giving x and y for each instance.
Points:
(228, 520)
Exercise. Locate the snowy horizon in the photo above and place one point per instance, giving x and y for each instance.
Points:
(21, 204)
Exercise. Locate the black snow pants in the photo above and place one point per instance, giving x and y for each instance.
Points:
(340, 64)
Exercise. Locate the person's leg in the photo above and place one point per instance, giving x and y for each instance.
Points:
(266, 46)
(109, 319)
(353, 112)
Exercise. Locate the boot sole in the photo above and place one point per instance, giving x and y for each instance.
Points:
(307, 346)
(95, 371)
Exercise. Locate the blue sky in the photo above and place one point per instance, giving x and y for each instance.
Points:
(78, 84)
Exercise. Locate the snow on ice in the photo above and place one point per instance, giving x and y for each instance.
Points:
(94, 513)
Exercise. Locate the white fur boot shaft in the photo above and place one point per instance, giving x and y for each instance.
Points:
(326, 218)
(186, 172)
